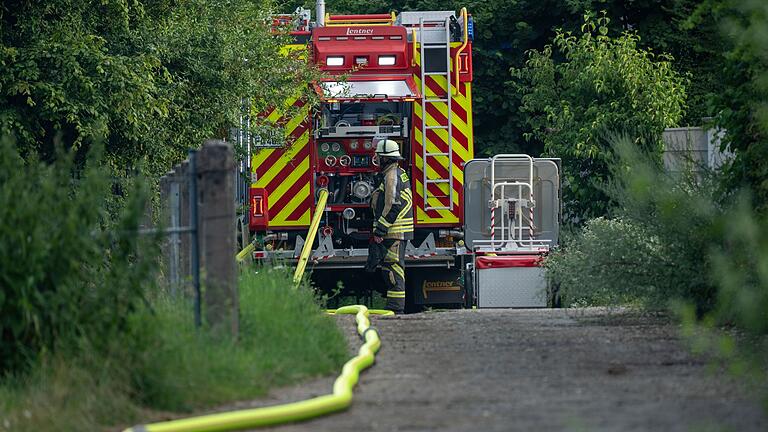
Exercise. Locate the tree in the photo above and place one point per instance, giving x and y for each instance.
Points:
(151, 78)
(663, 26)
(742, 110)
(602, 86)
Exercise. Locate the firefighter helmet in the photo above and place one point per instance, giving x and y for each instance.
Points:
(388, 148)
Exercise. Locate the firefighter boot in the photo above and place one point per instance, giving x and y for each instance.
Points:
(393, 270)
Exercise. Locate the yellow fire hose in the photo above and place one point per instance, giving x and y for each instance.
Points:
(304, 257)
(339, 400)
(244, 253)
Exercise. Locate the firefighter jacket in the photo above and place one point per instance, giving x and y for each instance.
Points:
(392, 205)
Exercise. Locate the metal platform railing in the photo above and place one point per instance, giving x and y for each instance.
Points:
(515, 201)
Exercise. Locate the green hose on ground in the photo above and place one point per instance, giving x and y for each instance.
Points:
(339, 400)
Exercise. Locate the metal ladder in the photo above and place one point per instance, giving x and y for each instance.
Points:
(444, 43)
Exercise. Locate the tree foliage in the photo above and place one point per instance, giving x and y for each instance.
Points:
(603, 85)
(741, 106)
(150, 77)
(664, 27)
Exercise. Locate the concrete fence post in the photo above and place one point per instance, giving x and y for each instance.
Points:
(215, 170)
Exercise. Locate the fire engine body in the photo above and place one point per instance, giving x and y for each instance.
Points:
(407, 78)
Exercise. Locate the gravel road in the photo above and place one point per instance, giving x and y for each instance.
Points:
(532, 370)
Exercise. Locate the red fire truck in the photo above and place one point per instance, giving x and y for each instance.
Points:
(406, 77)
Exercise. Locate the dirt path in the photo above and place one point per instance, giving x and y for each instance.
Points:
(532, 370)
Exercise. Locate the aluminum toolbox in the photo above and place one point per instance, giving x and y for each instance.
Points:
(510, 281)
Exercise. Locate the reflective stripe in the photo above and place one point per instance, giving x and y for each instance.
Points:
(405, 210)
(403, 213)
(402, 224)
(384, 222)
(402, 230)
(399, 270)
(396, 294)
(393, 255)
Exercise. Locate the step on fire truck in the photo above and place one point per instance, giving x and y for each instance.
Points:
(482, 226)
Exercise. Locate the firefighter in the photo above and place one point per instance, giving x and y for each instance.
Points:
(392, 205)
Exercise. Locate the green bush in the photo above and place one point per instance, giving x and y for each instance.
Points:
(657, 247)
(740, 269)
(166, 365)
(70, 271)
(612, 262)
(735, 333)
(677, 243)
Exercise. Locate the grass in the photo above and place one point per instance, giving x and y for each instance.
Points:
(172, 368)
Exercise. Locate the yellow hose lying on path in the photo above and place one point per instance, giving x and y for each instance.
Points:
(340, 399)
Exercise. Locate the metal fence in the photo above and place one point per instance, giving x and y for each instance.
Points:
(181, 224)
(198, 220)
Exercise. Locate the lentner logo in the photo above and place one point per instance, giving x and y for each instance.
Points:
(357, 31)
(429, 286)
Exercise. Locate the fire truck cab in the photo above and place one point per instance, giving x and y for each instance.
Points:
(406, 77)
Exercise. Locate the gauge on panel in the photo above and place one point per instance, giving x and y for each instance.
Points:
(354, 145)
(368, 144)
(336, 147)
(325, 147)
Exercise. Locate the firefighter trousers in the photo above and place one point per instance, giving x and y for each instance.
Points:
(393, 271)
